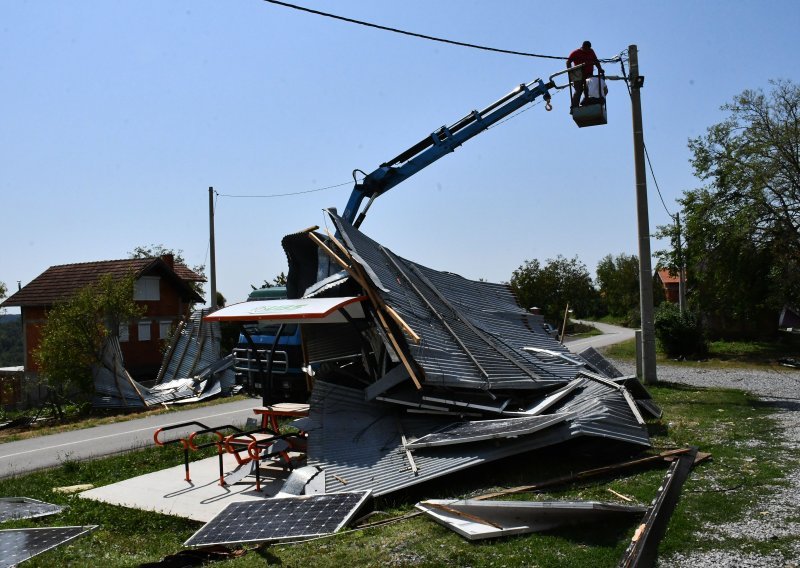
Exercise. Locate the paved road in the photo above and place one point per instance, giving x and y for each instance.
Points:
(611, 334)
(50, 451)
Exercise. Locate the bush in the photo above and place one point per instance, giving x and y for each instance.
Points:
(680, 335)
(634, 318)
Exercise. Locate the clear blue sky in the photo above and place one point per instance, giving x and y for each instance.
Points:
(118, 115)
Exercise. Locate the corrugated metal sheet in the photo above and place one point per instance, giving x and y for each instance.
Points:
(195, 347)
(358, 444)
(472, 332)
(481, 355)
(331, 342)
(114, 387)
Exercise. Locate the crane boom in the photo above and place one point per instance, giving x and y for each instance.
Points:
(441, 142)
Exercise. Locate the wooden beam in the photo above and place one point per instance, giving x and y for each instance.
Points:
(376, 301)
(389, 310)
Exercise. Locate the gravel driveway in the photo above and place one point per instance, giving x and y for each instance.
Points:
(772, 518)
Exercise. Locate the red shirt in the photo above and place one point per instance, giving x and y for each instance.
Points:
(581, 55)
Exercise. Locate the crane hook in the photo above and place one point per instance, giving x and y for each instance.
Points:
(548, 107)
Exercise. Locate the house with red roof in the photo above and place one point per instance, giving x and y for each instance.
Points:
(164, 287)
(671, 283)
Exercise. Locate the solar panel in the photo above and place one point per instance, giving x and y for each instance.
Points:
(596, 360)
(12, 508)
(284, 518)
(18, 545)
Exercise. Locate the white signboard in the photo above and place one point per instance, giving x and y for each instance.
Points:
(309, 310)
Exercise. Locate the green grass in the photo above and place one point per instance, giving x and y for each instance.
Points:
(613, 320)
(721, 353)
(747, 460)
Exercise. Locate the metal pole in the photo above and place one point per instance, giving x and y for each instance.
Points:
(212, 262)
(645, 269)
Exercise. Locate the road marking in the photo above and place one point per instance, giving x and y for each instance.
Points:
(108, 436)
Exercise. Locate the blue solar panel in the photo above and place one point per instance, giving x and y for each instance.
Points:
(284, 518)
(12, 508)
(18, 545)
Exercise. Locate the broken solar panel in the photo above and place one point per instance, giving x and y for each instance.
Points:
(18, 545)
(14, 508)
(479, 430)
(600, 363)
(284, 518)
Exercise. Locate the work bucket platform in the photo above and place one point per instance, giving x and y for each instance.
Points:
(590, 115)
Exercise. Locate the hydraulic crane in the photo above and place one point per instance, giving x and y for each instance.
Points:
(439, 143)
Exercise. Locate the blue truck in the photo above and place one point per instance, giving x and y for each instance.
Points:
(287, 380)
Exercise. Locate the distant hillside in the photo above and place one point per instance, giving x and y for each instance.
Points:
(11, 340)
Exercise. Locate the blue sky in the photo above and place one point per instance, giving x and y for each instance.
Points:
(118, 116)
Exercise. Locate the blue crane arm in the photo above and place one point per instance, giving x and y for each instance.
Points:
(437, 145)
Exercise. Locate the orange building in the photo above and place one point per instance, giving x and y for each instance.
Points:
(671, 284)
(162, 286)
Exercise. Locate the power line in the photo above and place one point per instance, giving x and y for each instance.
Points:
(413, 34)
(287, 193)
(655, 181)
(646, 153)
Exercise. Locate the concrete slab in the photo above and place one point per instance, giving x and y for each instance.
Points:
(167, 491)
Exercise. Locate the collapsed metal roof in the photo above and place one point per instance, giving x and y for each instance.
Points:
(441, 374)
(371, 445)
(472, 332)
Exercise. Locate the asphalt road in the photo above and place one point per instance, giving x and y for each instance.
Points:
(78, 445)
(611, 334)
(50, 451)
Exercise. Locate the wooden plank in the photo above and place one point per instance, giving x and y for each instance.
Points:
(663, 456)
(376, 301)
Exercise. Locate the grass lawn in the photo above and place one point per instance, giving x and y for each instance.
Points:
(747, 461)
(721, 353)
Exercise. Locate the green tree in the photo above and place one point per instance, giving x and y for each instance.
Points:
(3, 292)
(551, 287)
(75, 330)
(742, 229)
(279, 280)
(618, 283)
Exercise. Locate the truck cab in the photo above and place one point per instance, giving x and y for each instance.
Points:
(253, 349)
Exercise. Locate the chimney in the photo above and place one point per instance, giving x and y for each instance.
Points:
(169, 259)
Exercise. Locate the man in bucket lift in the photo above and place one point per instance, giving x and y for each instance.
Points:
(595, 91)
(586, 55)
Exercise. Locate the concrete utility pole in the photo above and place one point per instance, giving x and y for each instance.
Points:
(212, 262)
(645, 268)
(681, 268)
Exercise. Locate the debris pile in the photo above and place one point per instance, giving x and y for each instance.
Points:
(432, 373)
(192, 370)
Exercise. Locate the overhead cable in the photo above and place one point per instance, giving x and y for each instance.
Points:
(413, 34)
(646, 153)
(288, 193)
